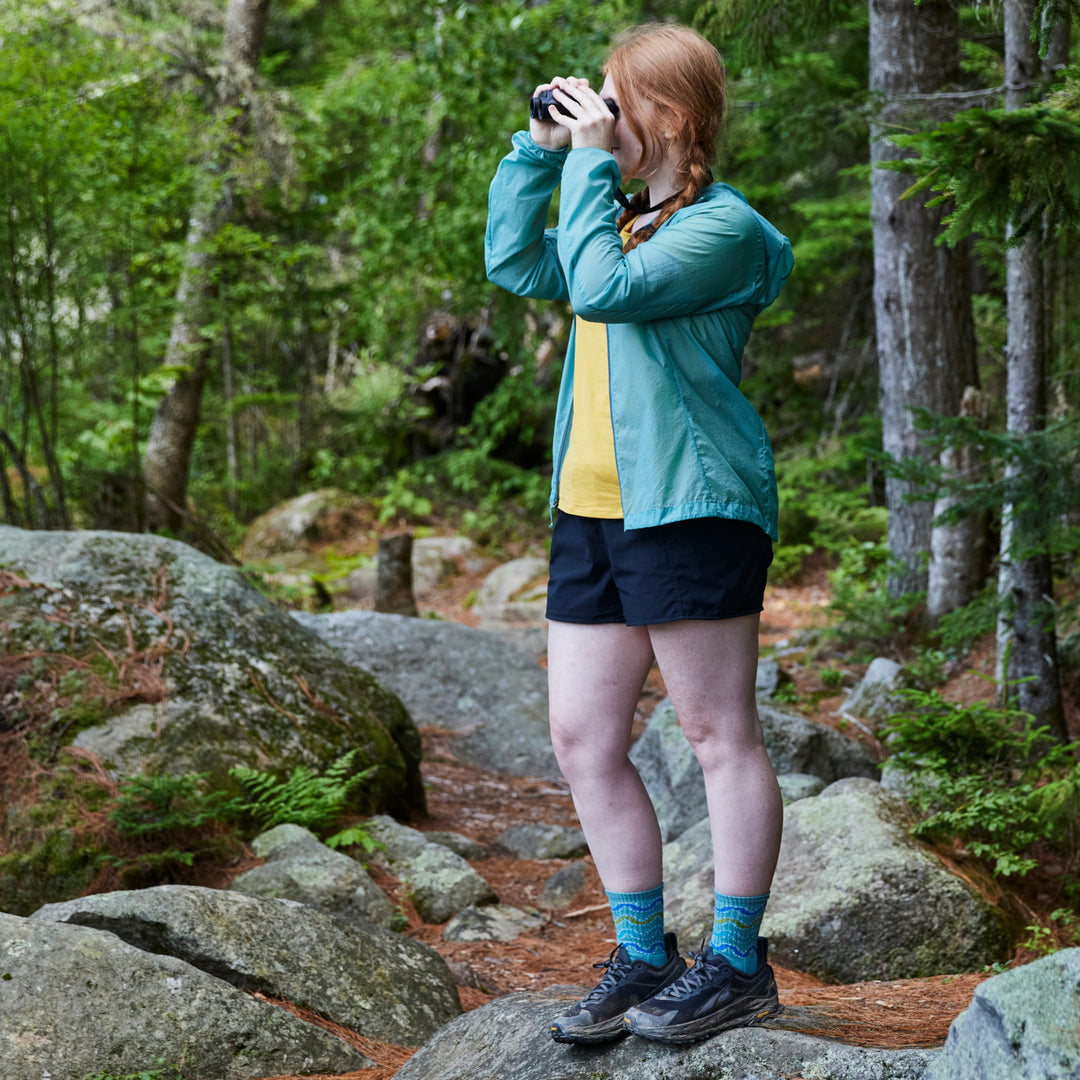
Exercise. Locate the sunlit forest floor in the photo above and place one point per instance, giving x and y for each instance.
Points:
(892, 1015)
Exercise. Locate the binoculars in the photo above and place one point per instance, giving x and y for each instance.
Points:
(539, 105)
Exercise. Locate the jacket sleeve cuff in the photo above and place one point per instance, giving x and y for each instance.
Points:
(531, 151)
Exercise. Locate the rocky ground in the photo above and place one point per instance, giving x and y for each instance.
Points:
(905, 1013)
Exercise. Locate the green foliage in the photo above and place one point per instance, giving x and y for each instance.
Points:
(989, 775)
(354, 836)
(148, 805)
(176, 822)
(304, 798)
(1014, 466)
(870, 618)
(958, 631)
(999, 170)
(825, 506)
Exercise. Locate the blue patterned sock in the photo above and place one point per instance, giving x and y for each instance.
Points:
(735, 929)
(639, 923)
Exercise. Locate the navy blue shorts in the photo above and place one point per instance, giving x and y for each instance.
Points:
(704, 568)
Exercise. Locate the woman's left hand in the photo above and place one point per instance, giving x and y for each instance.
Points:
(591, 122)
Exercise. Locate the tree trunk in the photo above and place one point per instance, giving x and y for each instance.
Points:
(172, 434)
(922, 292)
(956, 551)
(1026, 638)
(393, 579)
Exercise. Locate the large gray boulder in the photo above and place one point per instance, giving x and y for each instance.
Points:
(457, 678)
(311, 518)
(1021, 1025)
(240, 681)
(299, 867)
(207, 674)
(439, 882)
(382, 985)
(673, 777)
(75, 1001)
(854, 896)
(508, 1038)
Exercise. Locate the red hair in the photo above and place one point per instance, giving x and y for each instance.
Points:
(669, 79)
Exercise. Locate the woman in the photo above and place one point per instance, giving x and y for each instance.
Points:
(666, 499)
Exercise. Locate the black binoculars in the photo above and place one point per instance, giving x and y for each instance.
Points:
(539, 105)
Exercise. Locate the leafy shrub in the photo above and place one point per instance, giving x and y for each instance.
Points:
(988, 775)
(826, 504)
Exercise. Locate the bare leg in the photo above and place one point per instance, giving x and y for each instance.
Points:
(595, 676)
(709, 669)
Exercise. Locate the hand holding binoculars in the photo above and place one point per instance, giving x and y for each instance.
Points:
(539, 105)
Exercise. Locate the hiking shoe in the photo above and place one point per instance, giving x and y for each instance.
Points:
(598, 1017)
(711, 996)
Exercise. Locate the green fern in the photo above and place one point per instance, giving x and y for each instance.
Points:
(305, 798)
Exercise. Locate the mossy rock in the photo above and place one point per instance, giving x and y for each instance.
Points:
(49, 853)
(189, 669)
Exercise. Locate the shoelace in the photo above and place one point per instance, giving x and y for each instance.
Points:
(696, 977)
(607, 983)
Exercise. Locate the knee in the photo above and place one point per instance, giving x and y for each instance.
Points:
(726, 741)
(580, 755)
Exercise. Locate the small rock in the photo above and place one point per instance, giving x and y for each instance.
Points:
(316, 516)
(542, 842)
(460, 845)
(563, 886)
(874, 697)
(466, 975)
(399, 842)
(435, 559)
(796, 785)
(514, 592)
(441, 883)
(770, 676)
(299, 867)
(496, 922)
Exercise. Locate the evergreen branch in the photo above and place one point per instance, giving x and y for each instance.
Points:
(998, 170)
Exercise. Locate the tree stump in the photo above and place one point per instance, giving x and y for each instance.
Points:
(393, 581)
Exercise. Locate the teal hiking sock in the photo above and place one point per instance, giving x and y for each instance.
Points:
(639, 923)
(736, 920)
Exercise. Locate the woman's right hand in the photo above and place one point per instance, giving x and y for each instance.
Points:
(547, 133)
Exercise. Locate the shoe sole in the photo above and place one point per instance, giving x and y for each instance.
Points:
(706, 1026)
(607, 1031)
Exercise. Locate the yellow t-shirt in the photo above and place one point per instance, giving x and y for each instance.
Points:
(589, 478)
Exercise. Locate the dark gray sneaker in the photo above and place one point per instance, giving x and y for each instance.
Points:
(712, 996)
(598, 1017)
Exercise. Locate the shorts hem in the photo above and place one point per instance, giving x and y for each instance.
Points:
(602, 619)
(695, 617)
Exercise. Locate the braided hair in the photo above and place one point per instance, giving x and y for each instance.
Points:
(669, 78)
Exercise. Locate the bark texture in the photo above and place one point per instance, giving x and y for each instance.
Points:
(922, 292)
(393, 582)
(957, 550)
(1026, 637)
(172, 433)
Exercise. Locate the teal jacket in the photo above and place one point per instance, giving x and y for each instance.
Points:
(678, 309)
